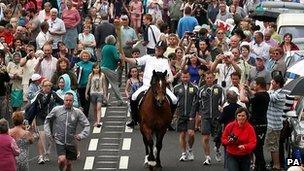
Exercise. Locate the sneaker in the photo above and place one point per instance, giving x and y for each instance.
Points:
(46, 158)
(183, 157)
(207, 161)
(41, 160)
(218, 156)
(190, 155)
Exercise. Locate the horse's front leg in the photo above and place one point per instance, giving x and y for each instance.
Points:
(147, 150)
(148, 140)
(159, 144)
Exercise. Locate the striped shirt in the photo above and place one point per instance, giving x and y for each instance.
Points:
(275, 109)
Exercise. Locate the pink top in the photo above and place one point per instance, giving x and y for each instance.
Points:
(71, 18)
(8, 151)
(136, 8)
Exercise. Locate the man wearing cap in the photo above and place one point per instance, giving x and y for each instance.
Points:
(259, 71)
(152, 63)
(34, 87)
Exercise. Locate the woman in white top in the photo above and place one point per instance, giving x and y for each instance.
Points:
(87, 40)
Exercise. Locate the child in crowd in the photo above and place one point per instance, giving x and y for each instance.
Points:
(95, 92)
(133, 83)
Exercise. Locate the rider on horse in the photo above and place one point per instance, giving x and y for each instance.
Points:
(158, 63)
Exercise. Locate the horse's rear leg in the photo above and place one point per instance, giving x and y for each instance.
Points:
(159, 145)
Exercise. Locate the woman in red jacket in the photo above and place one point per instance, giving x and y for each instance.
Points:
(240, 140)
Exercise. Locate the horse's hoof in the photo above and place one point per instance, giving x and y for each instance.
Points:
(152, 163)
(146, 165)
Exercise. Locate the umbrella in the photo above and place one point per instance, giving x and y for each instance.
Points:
(295, 71)
(295, 87)
(265, 15)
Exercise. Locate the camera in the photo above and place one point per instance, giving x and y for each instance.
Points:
(232, 138)
(223, 84)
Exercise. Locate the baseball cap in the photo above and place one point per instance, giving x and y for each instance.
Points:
(235, 89)
(124, 17)
(197, 28)
(35, 77)
(205, 26)
(261, 57)
(211, 37)
(245, 44)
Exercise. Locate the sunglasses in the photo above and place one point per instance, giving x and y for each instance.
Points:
(220, 33)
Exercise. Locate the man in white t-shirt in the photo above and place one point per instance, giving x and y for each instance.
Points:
(151, 34)
(46, 65)
(56, 28)
(225, 69)
(156, 63)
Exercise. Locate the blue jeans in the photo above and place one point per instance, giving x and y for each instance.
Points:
(238, 163)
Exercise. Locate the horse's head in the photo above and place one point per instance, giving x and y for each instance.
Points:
(158, 85)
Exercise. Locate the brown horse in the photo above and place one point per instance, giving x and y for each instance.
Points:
(155, 116)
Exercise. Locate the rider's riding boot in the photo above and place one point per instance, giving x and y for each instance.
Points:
(134, 113)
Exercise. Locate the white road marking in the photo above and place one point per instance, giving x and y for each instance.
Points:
(93, 145)
(128, 129)
(103, 111)
(126, 145)
(89, 161)
(124, 161)
(96, 130)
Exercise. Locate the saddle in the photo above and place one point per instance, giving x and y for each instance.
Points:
(142, 95)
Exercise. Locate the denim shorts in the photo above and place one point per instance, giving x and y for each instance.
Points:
(96, 97)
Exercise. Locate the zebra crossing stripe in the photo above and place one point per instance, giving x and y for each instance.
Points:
(89, 161)
(93, 145)
(123, 163)
(126, 145)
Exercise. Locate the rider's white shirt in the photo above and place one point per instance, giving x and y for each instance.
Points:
(152, 63)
